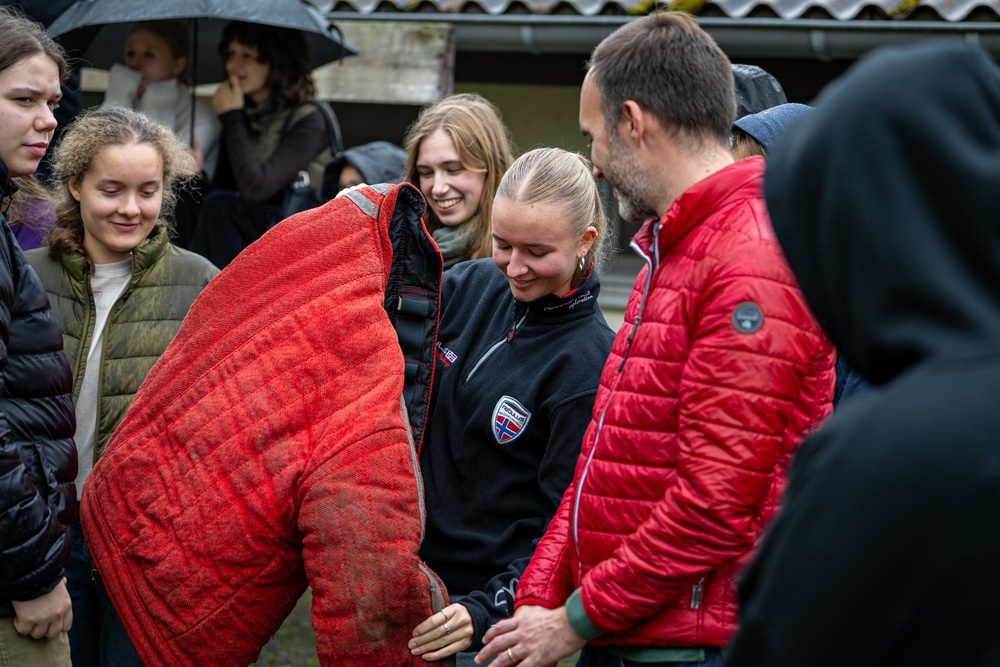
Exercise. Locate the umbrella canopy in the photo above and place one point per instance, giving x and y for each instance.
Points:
(96, 30)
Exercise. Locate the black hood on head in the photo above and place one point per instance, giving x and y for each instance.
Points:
(756, 90)
(886, 201)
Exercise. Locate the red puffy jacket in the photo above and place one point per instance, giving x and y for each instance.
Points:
(718, 373)
(268, 448)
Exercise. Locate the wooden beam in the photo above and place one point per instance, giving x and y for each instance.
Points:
(398, 63)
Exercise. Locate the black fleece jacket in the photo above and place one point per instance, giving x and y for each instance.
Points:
(514, 389)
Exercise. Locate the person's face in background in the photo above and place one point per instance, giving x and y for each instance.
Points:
(29, 92)
(535, 247)
(120, 198)
(243, 62)
(451, 189)
(613, 159)
(150, 56)
(349, 177)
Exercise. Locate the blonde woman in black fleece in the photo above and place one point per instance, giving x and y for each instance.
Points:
(521, 347)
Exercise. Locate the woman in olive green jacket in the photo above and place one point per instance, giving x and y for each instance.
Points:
(119, 290)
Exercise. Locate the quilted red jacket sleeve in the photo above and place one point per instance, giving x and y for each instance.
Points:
(267, 449)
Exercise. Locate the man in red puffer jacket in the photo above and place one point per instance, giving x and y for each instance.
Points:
(718, 373)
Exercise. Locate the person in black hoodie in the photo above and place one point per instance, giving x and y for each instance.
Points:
(756, 89)
(885, 202)
(520, 351)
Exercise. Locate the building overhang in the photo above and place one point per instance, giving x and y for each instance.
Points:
(820, 39)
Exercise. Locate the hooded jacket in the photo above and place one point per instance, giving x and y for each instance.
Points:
(711, 384)
(376, 161)
(756, 89)
(765, 126)
(885, 201)
(37, 422)
(269, 448)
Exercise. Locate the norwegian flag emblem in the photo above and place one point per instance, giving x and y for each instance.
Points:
(509, 419)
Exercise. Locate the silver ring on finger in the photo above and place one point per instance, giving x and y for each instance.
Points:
(447, 630)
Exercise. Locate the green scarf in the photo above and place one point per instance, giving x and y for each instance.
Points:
(452, 243)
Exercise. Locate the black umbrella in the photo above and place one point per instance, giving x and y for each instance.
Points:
(96, 30)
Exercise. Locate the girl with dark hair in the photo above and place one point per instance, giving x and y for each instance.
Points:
(119, 290)
(37, 454)
(268, 137)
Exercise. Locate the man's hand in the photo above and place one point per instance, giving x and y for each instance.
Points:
(45, 616)
(534, 637)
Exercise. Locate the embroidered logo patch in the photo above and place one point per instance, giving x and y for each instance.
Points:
(509, 419)
(747, 317)
(445, 355)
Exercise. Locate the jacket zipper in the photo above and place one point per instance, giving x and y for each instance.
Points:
(506, 339)
(696, 593)
(115, 309)
(651, 264)
(80, 363)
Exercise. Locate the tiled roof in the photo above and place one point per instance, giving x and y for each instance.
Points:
(842, 10)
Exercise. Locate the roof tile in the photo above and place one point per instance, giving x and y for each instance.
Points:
(842, 10)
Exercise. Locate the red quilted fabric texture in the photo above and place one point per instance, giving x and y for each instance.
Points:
(266, 450)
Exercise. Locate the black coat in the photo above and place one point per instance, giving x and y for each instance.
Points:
(885, 202)
(37, 423)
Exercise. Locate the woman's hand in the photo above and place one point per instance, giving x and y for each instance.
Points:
(45, 616)
(228, 96)
(444, 633)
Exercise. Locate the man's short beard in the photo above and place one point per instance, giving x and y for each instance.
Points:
(629, 181)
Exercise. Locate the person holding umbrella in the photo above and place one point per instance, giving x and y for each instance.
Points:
(153, 80)
(268, 137)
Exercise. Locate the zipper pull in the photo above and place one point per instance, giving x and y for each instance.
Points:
(628, 342)
(513, 328)
(696, 594)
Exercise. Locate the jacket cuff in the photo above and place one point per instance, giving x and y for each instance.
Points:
(578, 618)
(480, 620)
(533, 601)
